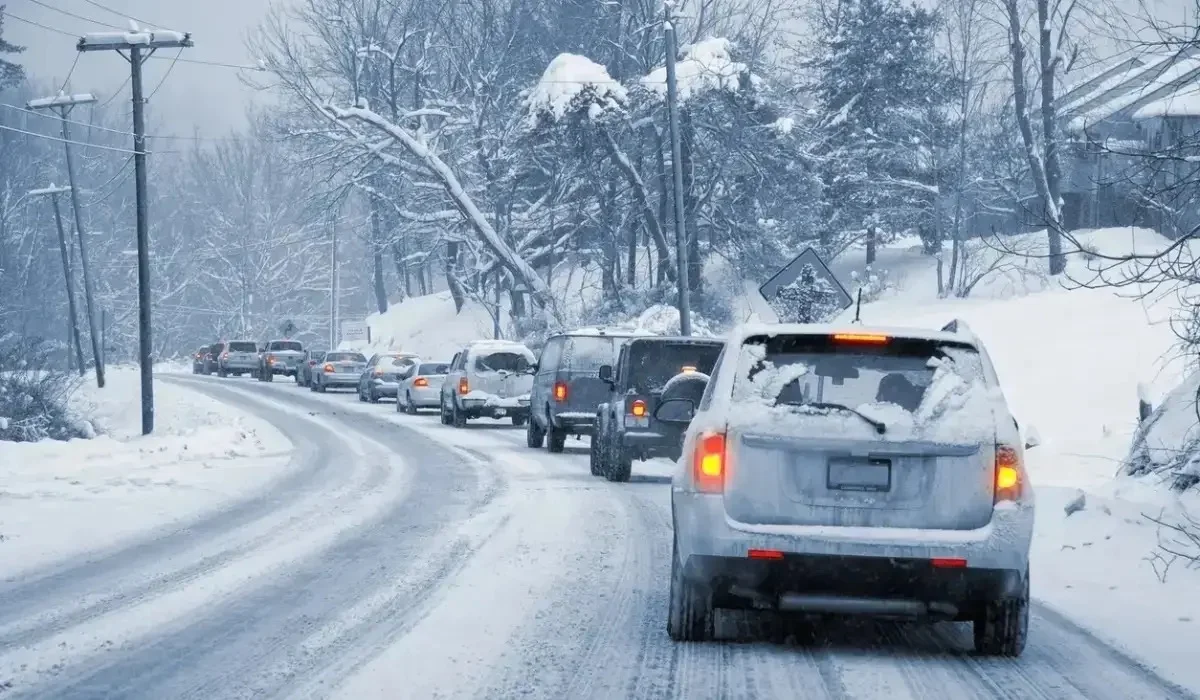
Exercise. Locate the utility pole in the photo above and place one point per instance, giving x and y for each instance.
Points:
(333, 286)
(72, 318)
(136, 46)
(685, 310)
(64, 104)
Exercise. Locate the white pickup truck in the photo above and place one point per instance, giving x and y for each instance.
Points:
(280, 357)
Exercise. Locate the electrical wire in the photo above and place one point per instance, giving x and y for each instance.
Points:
(70, 72)
(165, 75)
(97, 127)
(39, 24)
(72, 14)
(77, 143)
(116, 92)
(122, 14)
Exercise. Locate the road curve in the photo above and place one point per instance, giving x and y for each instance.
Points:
(479, 568)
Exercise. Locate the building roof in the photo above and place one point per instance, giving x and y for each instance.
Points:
(1140, 87)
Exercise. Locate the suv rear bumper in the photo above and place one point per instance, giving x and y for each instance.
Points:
(649, 444)
(703, 530)
(577, 422)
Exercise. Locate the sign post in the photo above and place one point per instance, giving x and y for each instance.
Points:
(806, 291)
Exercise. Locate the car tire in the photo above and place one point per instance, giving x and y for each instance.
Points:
(690, 615)
(457, 418)
(372, 396)
(321, 388)
(222, 373)
(269, 376)
(519, 420)
(312, 388)
(443, 413)
(362, 398)
(556, 440)
(595, 459)
(534, 435)
(620, 467)
(1002, 626)
(409, 407)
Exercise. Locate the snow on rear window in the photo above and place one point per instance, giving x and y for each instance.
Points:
(503, 361)
(584, 353)
(345, 357)
(916, 389)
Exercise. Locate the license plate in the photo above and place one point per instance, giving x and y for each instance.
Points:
(848, 474)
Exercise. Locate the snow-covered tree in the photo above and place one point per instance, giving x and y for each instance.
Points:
(10, 73)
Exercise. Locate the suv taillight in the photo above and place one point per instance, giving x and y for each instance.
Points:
(638, 409)
(329, 369)
(560, 391)
(225, 355)
(464, 387)
(1008, 473)
(709, 462)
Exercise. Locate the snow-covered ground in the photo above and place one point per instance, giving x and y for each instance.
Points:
(60, 500)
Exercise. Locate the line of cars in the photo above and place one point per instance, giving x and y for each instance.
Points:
(819, 470)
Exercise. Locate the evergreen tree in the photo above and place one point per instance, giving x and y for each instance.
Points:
(10, 73)
(883, 89)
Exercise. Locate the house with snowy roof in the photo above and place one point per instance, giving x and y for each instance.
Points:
(1111, 120)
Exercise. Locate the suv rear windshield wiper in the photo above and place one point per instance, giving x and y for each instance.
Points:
(879, 426)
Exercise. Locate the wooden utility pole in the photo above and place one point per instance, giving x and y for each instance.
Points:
(681, 255)
(136, 46)
(72, 317)
(63, 104)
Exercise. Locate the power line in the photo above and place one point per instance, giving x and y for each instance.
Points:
(86, 125)
(72, 14)
(78, 143)
(116, 92)
(165, 76)
(122, 14)
(39, 24)
(69, 74)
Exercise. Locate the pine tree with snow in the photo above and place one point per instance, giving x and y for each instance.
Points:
(10, 73)
(810, 298)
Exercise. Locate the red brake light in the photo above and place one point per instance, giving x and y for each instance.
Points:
(709, 462)
(329, 368)
(225, 355)
(421, 382)
(772, 554)
(560, 391)
(861, 338)
(464, 387)
(638, 409)
(1008, 473)
(949, 563)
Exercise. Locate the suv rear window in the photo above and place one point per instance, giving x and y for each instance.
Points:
(240, 346)
(933, 381)
(344, 357)
(652, 364)
(286, 345)
(429, 369)
(587, 353)
(502, 360)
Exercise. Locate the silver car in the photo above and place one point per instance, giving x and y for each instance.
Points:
(237, 357)
(340, 370)
(383, 375)
(423, 388)
(488, 379)
(834, 471)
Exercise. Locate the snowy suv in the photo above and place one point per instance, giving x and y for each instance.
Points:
(852, 471)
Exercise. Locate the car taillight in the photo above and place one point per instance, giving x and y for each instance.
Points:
(464, 387)
(709, 462)
(378, 373)
(329, 369)
(270, 359)
(560, 391)
(420, 382)
(638, 409)
(225, 355)
(1008, 473)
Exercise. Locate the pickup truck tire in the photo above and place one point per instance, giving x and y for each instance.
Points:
(1002, 626)
(557, 440)
(619, 466)
(690, 614)
(534, 435)
(444, 414)
(457, 418)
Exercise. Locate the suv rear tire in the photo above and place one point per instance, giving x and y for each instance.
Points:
(557, 440)
(690, 615)
(457, 418)
(620, 467)
(534, 435)
(595, 456)
(1002, 626)
(444, 414)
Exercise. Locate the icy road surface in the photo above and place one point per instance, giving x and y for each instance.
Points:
(399, 558)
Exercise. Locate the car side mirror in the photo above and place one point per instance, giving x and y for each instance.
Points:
(1032, 438)
(675, 411)
(606, 374)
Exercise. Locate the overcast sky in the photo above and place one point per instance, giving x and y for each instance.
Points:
(210, 99)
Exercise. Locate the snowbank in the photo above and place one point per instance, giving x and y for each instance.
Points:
(61, 499)
(426, 325)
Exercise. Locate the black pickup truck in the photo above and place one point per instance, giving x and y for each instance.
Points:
(625, 425)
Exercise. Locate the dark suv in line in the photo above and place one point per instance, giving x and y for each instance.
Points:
(648, 368)
(567, 387)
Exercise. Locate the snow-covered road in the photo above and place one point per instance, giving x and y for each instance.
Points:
(403, 559)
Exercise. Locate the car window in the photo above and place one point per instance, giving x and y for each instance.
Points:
(239, 346)
(345, 357)
(551, 355)
(503, 361)
(587, 353)
(390, 361)
(653, 363)
(795, 370)
(282, 345)
(432, 368)
(707, 398)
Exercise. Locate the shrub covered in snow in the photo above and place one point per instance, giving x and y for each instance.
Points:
(34, 395)
(1168, 442)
